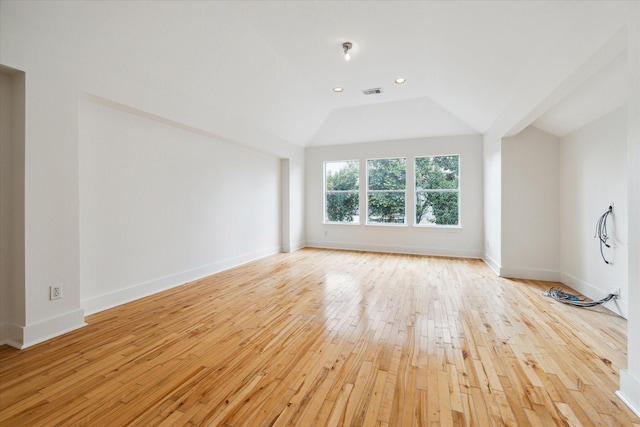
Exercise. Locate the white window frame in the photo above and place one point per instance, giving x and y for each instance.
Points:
(368, 191)
(325, 192)
(457, 190)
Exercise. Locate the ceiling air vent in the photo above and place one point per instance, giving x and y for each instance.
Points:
(373, 91)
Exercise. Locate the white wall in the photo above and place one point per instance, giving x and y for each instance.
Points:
(492, 207)
(293, 233)
(12, 296)
(465, 241)
(591, 177)
(530, 206)
(630, 377)
(67, 49)
(297, 201)
(6, 190)
(160, 206)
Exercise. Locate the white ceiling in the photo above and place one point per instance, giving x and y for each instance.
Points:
(464, 62)
(471, 66)
(603, 91)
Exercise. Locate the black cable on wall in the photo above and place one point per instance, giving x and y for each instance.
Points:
(601, 232)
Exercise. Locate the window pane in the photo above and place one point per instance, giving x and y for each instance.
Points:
(437, 173)
(341, 176)
(342, 207)
(387, 207)
(341, 191)
(387, 174)
(439, 208)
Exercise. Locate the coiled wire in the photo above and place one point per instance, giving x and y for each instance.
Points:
(601, 232)
(569, 299)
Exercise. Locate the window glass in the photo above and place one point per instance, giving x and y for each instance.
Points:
(437, 181)
(386, 191)
(341, 183)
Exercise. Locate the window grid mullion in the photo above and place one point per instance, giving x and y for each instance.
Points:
(451, 190)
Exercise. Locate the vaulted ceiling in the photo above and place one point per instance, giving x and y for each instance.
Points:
(466, 63)
(470, 66)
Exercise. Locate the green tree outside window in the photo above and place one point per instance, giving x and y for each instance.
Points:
(386, 186)
(437, 190)
(341, 191)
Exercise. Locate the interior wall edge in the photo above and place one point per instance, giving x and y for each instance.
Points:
(629, 391)
(491, 263)
(53, 327)
(530, 274)
(11, 335)
(294, 247)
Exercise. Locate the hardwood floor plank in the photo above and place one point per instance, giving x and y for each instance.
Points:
(329, 338)
(338, 413)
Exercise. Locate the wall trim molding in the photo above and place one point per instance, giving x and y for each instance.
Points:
(620, 306)
(11, 335)
(140, 290)
(530, 274)
(409, 250)
(53, 327)
(298, 245)
(293, 247)
(629, 391)
(491, 263)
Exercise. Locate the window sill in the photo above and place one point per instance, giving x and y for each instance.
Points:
(438, 227)
(386, 224)
(342, 223)
(443, 228)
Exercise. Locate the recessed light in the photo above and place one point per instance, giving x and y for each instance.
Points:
(338, 89)
(400, 81)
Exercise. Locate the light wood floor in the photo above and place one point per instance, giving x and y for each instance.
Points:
(320, 338)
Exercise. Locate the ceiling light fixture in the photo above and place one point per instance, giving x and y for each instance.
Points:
(400, 81)
(338, 89)
(346, 47)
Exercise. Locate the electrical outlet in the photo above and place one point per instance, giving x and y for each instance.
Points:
(616, 292)
(55, 292)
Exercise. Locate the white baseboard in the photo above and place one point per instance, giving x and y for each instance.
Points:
(298, 245)
(11, 335)
(530, 274)
(121, 296)
(50, 328)
(618, 306)
(294, 247)
(411, 250)
(629, 391)
(492, 263)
